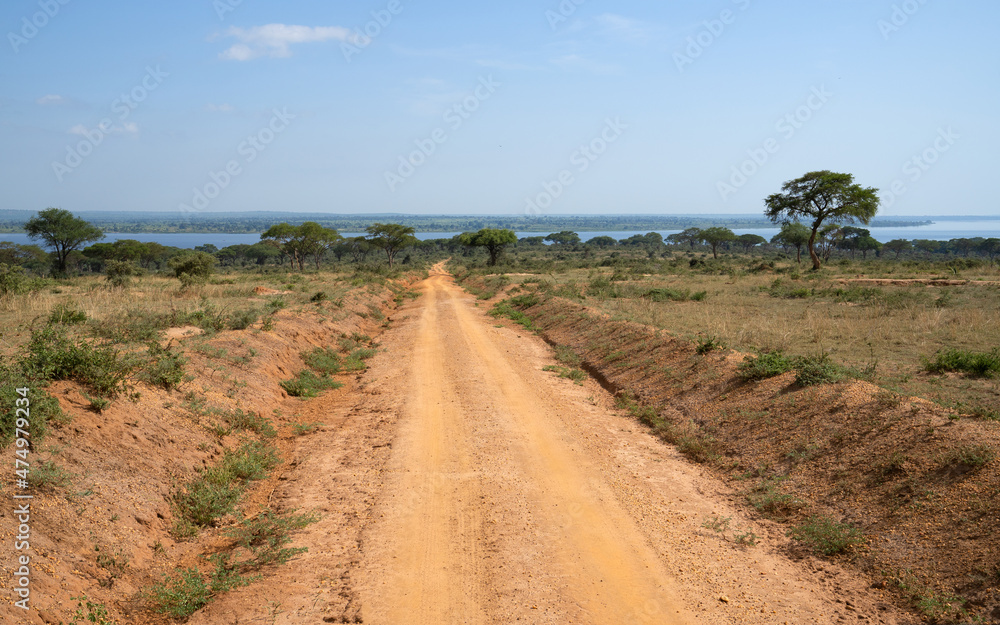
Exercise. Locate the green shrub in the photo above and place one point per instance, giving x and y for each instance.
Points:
(323, 360)
(308, 384)
(242, 319)
(826, 536)
(183, 595)
(42, 407)
(768, 499)
(765, 365)
(820, 369)
(118, 273)
(47, 475)
(192, 268)
(976, 364)
(164, 368)
(266, 535)
(67, 315)
(672, 295)
(52, 355)
(250, 422)
(205, 499)
(506, 308)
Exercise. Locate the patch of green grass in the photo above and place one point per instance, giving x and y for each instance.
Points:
(47, 475)
(323, 360)
(88, 611)
(576, 375)
(42, 408)
(308, 384)
(827, 536)
(164, 367)
(765, 365)
(975, 364)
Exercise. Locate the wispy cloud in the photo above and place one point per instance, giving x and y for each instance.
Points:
(273, 40)
(126, 128)
(625, 28)
(51, 100)
(579, 62)
(221, 108)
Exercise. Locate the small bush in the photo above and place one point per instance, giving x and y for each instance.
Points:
(242, 319)
(765, 365)
(52, 355)
(708, 343)
(250, 422)
(47, 475)
(205, 499)
(308, 384)
(669, 295)
(165, 367)
(767, 498)
(827, 536)
(192, 268)
(820, 369)
(118, 273)
(183, 595)
(43, 408)
(975, 364)
(566, 372)
(266, 535)
(67, 315)
(324, 360)
(320, 296)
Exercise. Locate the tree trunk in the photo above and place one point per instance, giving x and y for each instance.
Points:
(812, 248)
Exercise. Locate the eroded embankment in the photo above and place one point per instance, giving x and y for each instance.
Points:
(106, 527)
(922, 487)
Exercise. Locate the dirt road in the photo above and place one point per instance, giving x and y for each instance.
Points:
(458, 482)
(513, 495)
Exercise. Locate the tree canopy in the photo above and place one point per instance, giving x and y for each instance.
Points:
(391, 238)
(822, 196)
(794, 235)
(493, 239)
(566, 237)
(715, 236)
(62, 232)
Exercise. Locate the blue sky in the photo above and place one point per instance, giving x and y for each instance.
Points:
(430, 107)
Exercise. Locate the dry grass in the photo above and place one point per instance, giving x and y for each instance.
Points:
(897, 328)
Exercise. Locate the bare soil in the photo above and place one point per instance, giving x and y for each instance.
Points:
(457, 482)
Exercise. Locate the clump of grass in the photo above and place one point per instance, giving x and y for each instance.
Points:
(308, 384)
(819, 369)
(827, 536)
(512, 309)
(767, 498)
(975, 364)
(708, 343)
(576, 375)
(323, 360)
(67, 315)
(47, 475)
(165, 367)
(250, 422)
(765, 365)
(266, 535)
(567, 356)
(973, 456)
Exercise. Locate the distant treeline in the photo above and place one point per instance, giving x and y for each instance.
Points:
(244, 223)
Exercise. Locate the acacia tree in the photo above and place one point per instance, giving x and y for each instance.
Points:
(899, 246)
(715, 236)
(750, 241)
(691, 236)
(280, 235)
(391, 238)
(566, 237)
(63, 232)
(312, 239)
(794, 235)
(822, 196)
(493, 239)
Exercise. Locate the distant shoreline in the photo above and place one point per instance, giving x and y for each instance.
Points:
(255, 222)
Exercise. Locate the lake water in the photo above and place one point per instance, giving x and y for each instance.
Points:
(940, 231)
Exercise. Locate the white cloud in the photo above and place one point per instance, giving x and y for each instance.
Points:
(273, 40)
(51, 99)
(221, 108)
